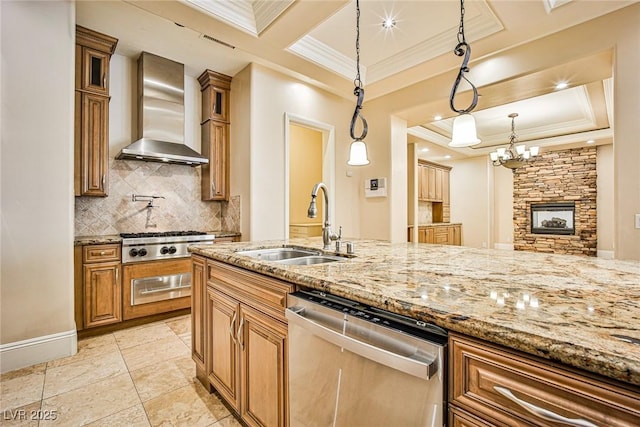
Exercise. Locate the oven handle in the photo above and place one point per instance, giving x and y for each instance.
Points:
(423, 369)
(154, 291)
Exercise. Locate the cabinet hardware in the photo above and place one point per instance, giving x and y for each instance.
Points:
(103, 252)
(239, 334)
(232, 327)
(545, 414)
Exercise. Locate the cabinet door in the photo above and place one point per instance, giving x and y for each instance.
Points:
(441, 235)
(223, 326)
(431, 182)
(263, 341)
(95, 71)
(198, 310)
(215, 175)
(445, 188)
(215, 103)
(102, 294)
(439, 178)
(455, 235)
(423, 183)
(422, 235)
(94, 145)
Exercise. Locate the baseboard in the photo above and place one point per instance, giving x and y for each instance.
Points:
(504, 246)
(20, 354)
(606, 254)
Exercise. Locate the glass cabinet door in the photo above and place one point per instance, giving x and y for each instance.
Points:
(95, 69)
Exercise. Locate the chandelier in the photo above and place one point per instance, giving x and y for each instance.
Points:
(514, 156)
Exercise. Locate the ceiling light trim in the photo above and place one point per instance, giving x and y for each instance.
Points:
(323, 55)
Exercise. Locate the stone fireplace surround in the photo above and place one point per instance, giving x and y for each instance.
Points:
(557, 176)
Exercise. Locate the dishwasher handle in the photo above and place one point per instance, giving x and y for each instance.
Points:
(417, 368)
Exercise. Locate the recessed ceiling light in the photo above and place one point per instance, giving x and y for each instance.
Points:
(591, 141)
(438, 117)
(562, 85)
(388, 23)
(424, 150)
(447, 156)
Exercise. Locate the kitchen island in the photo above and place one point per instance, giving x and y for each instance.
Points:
(577, 312)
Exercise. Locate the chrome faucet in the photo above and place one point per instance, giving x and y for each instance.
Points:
(327, 234)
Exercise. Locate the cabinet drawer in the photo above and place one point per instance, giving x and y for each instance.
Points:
(261, 292)
(101, 253)
(497, 384)
(441, 235)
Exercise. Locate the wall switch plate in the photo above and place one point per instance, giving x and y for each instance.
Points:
(637, 220)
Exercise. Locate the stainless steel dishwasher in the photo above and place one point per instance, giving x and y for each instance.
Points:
(352, 365)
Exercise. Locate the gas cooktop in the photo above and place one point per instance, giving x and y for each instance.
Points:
(161, 234)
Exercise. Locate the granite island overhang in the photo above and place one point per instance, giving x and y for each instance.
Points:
(580, 311)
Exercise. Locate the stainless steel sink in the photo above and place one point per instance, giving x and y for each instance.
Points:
(278, 254)
(311, 260)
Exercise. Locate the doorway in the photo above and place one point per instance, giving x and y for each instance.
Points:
(309, 148)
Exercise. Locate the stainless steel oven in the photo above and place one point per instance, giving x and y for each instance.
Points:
(157, 271)
(354, 365)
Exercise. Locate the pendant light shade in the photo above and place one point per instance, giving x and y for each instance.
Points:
(464, 131)
(358, 154)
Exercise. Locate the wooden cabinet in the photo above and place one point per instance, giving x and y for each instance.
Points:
(304, 230)
(215, 88)
(91, 150)
(439, 234)
(245, 355)
(101, 285)
(198, 303)
(433, 182)
(502, 387)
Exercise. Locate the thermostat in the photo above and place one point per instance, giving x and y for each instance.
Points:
(375, 187)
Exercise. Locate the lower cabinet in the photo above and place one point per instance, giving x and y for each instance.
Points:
(439, 234)
(494, 386)
(245, 353)
(100, 299)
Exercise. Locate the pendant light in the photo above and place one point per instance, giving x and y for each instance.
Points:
(358, 150)
(464, 126)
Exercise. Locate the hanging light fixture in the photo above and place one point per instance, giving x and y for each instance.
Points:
(514, 156)
(464, 126)
(358, 150)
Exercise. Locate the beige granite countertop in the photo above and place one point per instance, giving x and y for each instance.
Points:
(115, 238)
(560, 307)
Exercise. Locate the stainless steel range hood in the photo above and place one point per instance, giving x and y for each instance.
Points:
(161, 115)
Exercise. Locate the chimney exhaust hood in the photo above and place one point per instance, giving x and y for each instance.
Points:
(161, 115)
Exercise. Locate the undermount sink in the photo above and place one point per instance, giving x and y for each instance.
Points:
(290, 256)
(278, 254)
(311, 260)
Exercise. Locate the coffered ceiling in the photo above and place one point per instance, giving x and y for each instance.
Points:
(314, 40)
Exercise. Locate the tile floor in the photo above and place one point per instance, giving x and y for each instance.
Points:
(142, 376)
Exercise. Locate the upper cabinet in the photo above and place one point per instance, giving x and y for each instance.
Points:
(93, 53)
(215, 88)
(433, 182)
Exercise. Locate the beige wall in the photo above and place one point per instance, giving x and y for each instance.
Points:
(36, 260)
(305, 170)
(604, 202)
(261, 98)
(502, 208)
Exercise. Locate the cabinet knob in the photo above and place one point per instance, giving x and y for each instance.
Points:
(103, 252)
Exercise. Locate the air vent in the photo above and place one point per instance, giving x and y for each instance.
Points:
(213, 39)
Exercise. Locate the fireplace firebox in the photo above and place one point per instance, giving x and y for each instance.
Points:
(553, 218)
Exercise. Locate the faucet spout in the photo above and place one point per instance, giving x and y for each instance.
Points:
(327, 234)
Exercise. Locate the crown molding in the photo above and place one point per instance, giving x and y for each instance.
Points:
(238, 13)
(319, 53)
(266, 11)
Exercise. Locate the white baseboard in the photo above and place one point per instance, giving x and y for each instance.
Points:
(504, 246)
(605, 254)
(20, 354)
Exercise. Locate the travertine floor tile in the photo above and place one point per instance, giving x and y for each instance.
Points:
(85, 371)
(142, 334)
(230, 421)
(130, 417)
(154, 352)
(180, 325)
(21, 390)
(154, 380)
(187, 406)
(186, 339)
(25, 416)
(92, 402)
(88, 347)
(35, 369)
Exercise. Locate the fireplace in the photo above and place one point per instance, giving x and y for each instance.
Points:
(553, 218)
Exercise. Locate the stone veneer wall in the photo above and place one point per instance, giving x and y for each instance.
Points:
(181, 208)
(557, 176)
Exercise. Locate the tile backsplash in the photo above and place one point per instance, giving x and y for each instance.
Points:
(425, 212)
(180, 209)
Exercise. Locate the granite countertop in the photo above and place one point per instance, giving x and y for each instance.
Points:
(560, 307)
(115, 238)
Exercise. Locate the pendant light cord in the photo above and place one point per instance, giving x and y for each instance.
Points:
(463, 48)
(358, 90)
